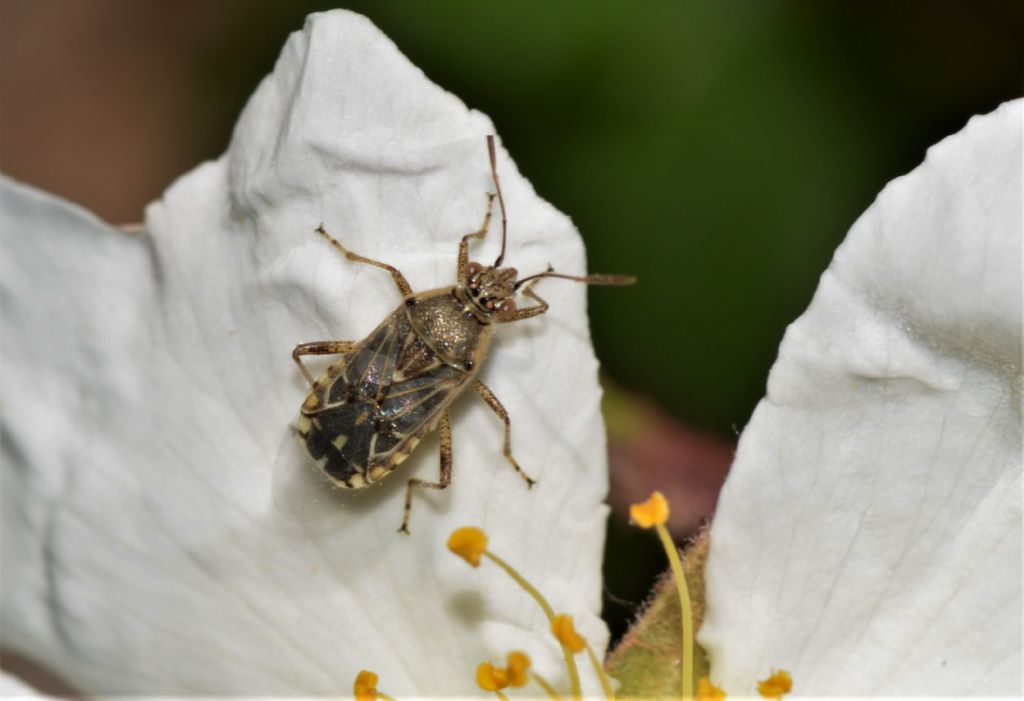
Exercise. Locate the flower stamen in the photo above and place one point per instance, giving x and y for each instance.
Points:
(706, 691)
(470, 544)
(491, 678)
(649, 513)
(775, 686)
(518, 668)
(654, 512)
(546, 686)
(606, 683)
(564, 630)
(365, 687)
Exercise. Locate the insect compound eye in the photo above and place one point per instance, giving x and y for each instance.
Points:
(473, 271)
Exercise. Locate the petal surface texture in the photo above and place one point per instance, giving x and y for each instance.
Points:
(164, 533)
(868, 539)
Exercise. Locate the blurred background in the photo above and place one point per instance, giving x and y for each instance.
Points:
(720, 151)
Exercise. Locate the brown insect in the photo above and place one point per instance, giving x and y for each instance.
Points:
(370, 409)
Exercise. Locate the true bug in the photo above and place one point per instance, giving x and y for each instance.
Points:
(369, 409)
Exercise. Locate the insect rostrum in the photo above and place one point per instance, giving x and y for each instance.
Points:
(370, 409)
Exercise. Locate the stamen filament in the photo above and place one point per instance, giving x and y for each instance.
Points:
(501, 695)
(606, 683)
(684, 607)
(546, 686)
(570, 661)
(530, 589)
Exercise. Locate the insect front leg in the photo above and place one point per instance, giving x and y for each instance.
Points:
(460, 270)
(528, 312)
(445, 432)
(403, 284)
(488, 396)
(318, 348)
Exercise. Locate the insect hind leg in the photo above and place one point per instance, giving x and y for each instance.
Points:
(403, 285)
(445, 433)
(492, 401)
(318, 348)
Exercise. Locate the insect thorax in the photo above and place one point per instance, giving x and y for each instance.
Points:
(449, 327)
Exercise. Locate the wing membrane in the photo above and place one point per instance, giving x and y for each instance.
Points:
(388, 395)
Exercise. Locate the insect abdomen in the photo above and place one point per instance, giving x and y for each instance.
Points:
(339, 439)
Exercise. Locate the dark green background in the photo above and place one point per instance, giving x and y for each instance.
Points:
(719, 150)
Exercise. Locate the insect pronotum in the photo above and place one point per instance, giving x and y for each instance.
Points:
(371, 407)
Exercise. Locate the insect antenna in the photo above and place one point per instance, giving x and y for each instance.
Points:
(501, 200)
(598, 279)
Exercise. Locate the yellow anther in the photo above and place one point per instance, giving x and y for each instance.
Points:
(565, 632)
(491, 678)
(468, 543)
(365, 688)
(706, 691)
(775, 686)
(652, 512)
(518, 668)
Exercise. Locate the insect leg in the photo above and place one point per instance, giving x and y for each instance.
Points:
(527, 312)
(318, 348)
(403, 284)
(445, 433)
(488, 396)
(479, 234)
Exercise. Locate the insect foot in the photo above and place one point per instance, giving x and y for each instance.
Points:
(370, 409)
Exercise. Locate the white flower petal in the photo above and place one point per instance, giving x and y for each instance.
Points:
(868, 539)
(163, 530)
